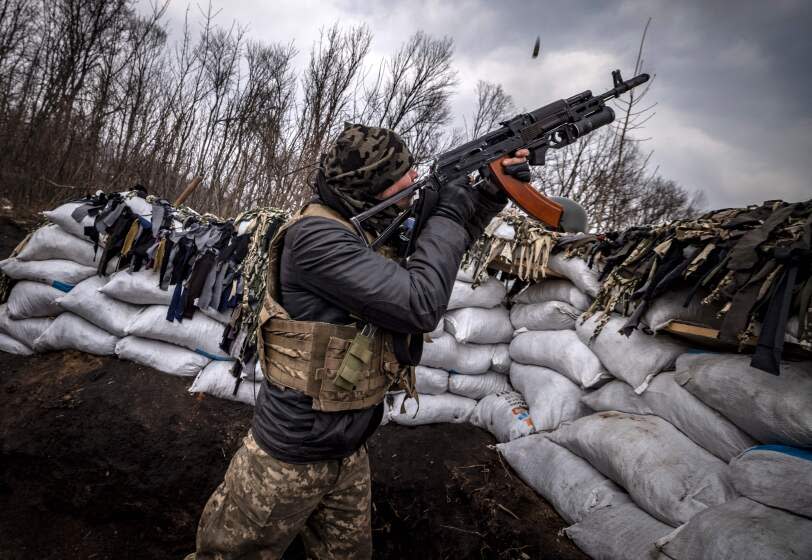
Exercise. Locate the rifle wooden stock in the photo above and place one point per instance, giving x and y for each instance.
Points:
(526, 197)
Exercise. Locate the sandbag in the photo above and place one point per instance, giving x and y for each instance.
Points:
(666, 474)
(162, 356)
(479, 326)
(488, 294)
(570, 484)
(86, 301)
(466, 273)
(778, 476)
(438, 330)
(740, 529)
(434, 409)
(47, 272)
(561, 351)
(771, 408)
(500, 360)
(52, 242)
(139, 288)
(706, 427)
(71, 332)
(430, 381)
(11, 345)
(61, 216)
(554, 289)
(24, 330)
(544, 316)
(478, 386)
(446, 353)
(552, 398)
(577, 271)
(504, 415)
(222, 317)
(34, 299)
(623, 532)
(216, 380)
(669, 307)
(635, 359)
(616, 395)
(200, 333)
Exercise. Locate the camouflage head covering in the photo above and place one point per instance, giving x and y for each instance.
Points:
(361, 163)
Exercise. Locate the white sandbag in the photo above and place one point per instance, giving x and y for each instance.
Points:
(61, 216)
(478, 386)
(635, 359)
(554, 289)
(771, 408)
(577, 271)
(669, 307)
(616, 395)
(34, 299)
(24, 330)
(479, 326)
(446, 353)
(666, 474)
(162, 356)
(544, 316)
(430, 381)
(504, 415)
(53, 242)
(570, 484)
(488, 294)
(553, 398)
(87, 302)
(438, 330)
(740, 529)
(778, 476)
(706, 427)
(500, 360)
(623, 532)
(71, 332)
(466, 273)
(222, 317)
(139, 288)
(199, 333)
(216, 380)
(561, 351)
(11, 345)
(47, 272)
(434, 409)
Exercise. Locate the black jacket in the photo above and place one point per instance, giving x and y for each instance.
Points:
(326, 274)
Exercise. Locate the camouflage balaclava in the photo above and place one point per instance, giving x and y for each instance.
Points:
(361, 163)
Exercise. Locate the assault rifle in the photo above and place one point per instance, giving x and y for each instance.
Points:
(551, 127)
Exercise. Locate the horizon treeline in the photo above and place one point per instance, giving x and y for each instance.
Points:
(95, 95)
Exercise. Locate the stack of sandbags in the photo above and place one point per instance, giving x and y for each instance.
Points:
(550, 366)
(464, 360)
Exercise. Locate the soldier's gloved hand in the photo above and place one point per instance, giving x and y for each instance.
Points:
(457, 201)
(491, 198)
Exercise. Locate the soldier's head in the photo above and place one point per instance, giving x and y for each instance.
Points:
(364, 165)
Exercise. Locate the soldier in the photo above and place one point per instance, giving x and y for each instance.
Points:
(326, 348)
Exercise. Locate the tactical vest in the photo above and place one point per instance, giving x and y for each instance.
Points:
(306, 355)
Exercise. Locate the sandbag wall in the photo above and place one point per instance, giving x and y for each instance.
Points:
(646, 446)
(60, 301)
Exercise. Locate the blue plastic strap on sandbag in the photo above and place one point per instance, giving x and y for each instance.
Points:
(213, 356)
(62, 286)
(785, 449)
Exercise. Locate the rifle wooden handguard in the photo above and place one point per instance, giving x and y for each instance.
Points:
(526, 197)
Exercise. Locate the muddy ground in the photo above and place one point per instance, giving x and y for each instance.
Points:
(101, 458)
(107, 459)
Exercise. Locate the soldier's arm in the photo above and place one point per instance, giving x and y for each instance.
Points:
(334, 263)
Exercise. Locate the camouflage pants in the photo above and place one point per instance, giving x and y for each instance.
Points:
(264, 503)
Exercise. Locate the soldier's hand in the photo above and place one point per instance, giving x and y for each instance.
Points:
(457, 202)
(517, 165)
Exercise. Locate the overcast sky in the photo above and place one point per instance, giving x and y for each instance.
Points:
(734, 109)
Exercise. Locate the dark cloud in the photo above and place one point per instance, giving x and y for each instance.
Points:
(732, 78)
